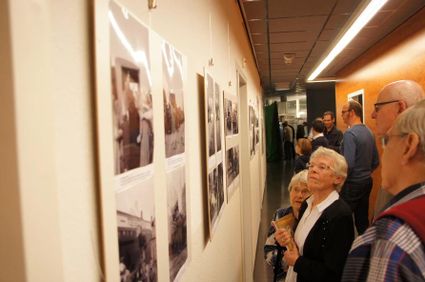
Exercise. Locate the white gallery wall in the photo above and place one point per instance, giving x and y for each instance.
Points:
(50, 188)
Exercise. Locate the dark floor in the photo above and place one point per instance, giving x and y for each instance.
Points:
(276, 195)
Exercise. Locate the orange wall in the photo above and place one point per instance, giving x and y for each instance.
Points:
(400, 55)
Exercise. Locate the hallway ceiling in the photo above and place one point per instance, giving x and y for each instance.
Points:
(305, 30)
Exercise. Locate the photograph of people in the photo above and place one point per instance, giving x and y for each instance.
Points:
(235, 117)
(232, 164)
(217, 117)
(174, 117)
(131, 92)
(210, 115)
(216, 193)
(273, 252)
(228, 116)
(322, 238)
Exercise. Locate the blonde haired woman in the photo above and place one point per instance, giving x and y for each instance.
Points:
(273, 252)
(323, 236)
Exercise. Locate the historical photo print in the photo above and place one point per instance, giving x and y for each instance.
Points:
(210, 114)
(231, 115)
(232, 164)
(136, 233)
(131, 91)
(174, 118)
(177, 220)
(218, 130)
(251, 130)
(215, 194)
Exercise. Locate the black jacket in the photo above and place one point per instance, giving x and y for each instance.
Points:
(334, 138)
(319, 141)
(327, 245)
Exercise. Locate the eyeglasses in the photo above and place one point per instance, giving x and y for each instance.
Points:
(386, 138)
(303, 192)
(377, 106)
(320, 167)
(343, 112)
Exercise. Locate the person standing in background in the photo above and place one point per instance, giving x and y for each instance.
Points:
(359, 149)
(303, 150)
(318, 139)
(392, 100)
(300, 131)
(288, 138)
(333, 134)
(392, 249)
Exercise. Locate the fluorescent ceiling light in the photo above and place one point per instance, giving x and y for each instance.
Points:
(372, 8)
(322, 80)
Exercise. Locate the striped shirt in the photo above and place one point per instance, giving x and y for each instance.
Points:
(389, 250)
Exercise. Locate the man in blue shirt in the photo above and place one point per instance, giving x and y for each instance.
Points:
(361, 154)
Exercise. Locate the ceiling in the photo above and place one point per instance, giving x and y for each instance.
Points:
(302, 32)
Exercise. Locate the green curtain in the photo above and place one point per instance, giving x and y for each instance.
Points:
(273, 140)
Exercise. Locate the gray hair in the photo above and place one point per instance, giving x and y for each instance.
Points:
(338, 165)
(408, 91)
(412, 120)
(300, 177)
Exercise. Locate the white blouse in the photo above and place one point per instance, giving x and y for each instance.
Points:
(305, 225)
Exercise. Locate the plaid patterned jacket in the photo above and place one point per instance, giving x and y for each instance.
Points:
(389, 250)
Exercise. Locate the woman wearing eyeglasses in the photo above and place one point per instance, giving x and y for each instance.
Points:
(273, 252)
(322, 239)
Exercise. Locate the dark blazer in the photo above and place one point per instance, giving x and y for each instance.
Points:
(301, 163)
(319, 141)
(327, 245)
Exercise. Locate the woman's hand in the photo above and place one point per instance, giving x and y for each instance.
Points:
(291, 255)
(283, 236)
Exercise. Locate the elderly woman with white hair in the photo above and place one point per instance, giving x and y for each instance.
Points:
(322, 239)
(273, 252)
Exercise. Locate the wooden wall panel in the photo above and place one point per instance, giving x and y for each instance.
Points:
(400, 55)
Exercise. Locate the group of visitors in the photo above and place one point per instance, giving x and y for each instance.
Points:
(334, 188)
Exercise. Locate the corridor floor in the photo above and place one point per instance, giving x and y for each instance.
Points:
(276, 195)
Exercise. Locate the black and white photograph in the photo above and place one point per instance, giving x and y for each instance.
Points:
(177, 221)
(218, 130)
(131, 91)
(209, 85)
(215, 194)
(252, 132)
(235, 117)
(232, 164)
(228, 116)
(231, 115)
(136, 233)
(174, 117)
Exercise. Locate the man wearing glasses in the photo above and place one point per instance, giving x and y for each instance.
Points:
(359, 149)
(392, 100)
(392, 249)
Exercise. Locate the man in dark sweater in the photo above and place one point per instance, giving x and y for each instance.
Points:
(333, 134)
(318, 138)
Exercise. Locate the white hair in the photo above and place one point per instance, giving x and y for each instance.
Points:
(300, 177)
(413, 121)
(338, 164)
